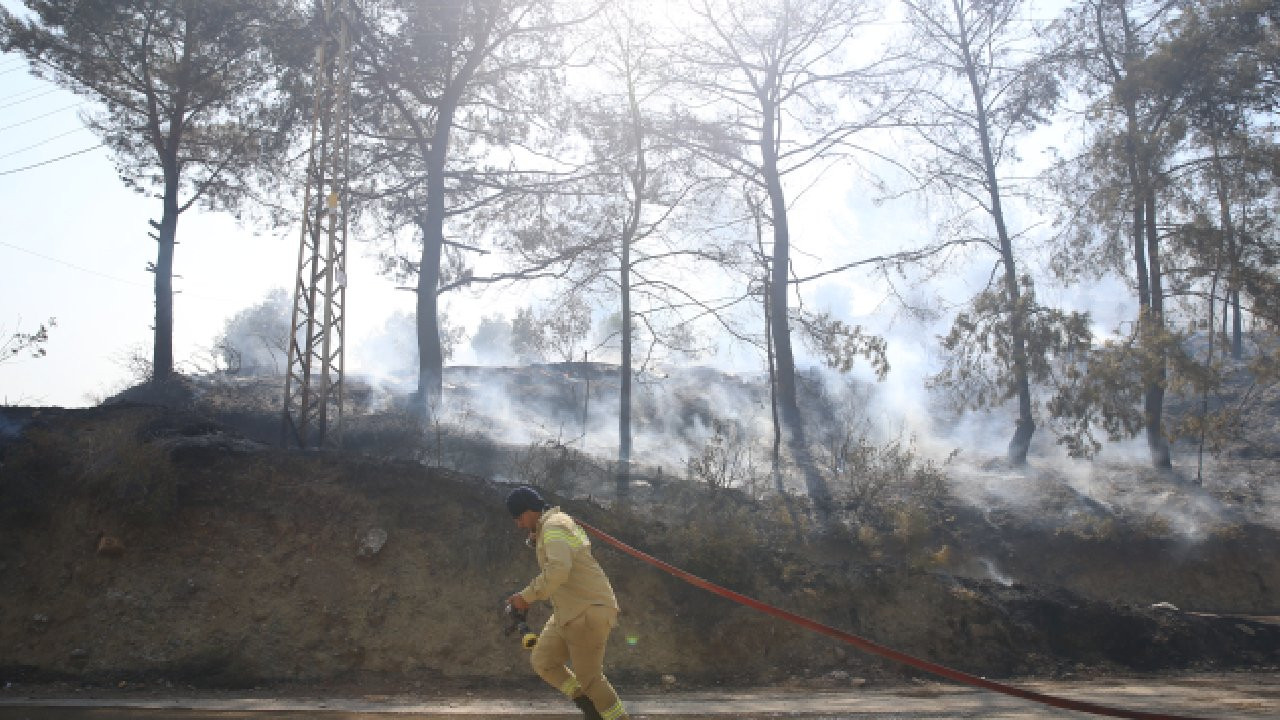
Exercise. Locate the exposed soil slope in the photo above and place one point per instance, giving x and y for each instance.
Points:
(241, 564)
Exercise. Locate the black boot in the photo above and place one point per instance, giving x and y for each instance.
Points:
(588, 709)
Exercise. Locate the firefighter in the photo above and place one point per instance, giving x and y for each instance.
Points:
(584, 609)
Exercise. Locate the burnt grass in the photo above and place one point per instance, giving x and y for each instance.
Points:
(241, 565)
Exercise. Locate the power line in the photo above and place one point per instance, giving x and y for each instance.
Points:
(33, 97)
(21, 93)
(72, 265)
(51, 112)
(43, 142)
(54, 160)
(147, 286)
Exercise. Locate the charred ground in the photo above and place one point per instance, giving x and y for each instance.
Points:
(243, 564)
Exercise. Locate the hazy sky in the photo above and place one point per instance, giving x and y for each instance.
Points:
(75, 246)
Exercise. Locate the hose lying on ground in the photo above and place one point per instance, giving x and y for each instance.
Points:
(881, 650)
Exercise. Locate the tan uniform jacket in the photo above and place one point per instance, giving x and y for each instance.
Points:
(571, 578)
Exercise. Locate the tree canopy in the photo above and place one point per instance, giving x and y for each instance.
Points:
(188, 95)
(644, 168)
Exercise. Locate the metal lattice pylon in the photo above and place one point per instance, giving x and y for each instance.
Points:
(313, 390)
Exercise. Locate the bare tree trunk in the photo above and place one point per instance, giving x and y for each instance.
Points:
(788, 404)
(1223, 257)
(1237, 326)
(624, 389)
(1026, 425)
(1139, 246)
(1153, 398)
(1204, 391)
(1150, 311)
(639, 180)
(430, 355)
(1146, 241)
(162, 348)
(1232, 260)
(1226, 312)
(775, 455)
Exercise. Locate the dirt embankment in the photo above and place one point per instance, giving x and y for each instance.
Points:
(238, 564)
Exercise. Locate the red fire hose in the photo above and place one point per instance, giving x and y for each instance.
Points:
(875, 648)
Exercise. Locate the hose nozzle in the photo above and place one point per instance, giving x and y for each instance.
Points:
(518, 621)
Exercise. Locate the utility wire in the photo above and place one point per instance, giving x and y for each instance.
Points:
(33, 97)
(20, 93)
(73, 265)
(147, 286)
(51, 112)
(43, 142)
(53, 160)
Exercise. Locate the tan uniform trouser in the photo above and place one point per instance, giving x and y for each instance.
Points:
(581, 641)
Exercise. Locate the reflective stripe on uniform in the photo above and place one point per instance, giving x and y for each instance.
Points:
(574, 538)
(614, 712)
(571, 687)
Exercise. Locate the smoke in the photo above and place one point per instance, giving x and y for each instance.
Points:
(1060, 493)
(255, 340)
(993, 572)
(577, 405)
(387, 358)
(1054, 490)
(678, 412)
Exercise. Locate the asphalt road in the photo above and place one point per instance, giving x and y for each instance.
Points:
(1238, 695)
